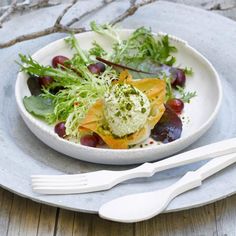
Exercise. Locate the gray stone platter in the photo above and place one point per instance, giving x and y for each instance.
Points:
(22, 154)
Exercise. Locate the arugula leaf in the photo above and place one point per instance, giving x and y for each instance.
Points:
(97, 50)
(186, 96)
(188, 71)
(41, 107)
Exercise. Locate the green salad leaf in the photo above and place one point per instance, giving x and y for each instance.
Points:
(186, 96)
(97, 50)
(40, 107)
(188, 71)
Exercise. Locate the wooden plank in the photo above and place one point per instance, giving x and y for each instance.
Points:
(226, 216)
(199, 221)
(24, 217)
(83, 224)
(47, 220)
(65, 223)
(93, 225)
(6, 199)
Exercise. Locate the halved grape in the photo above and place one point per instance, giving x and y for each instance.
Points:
(60, 129)
(45, 81)
(176, 105)
(178, 76)
(59, 60)
(89, 140)
(97, 68)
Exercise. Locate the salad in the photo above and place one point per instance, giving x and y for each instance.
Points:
(116, 99)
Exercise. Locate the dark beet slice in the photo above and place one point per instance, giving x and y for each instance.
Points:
(168, 128)
(34, 85)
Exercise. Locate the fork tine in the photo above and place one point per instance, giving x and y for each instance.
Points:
(64, 190)
(59, 184)
(59, 180)
(62, 182)
(79, 183)
(68, 189)
(57, 176)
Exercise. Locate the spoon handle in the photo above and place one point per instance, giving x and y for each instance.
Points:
(194, 179)
(215, 165)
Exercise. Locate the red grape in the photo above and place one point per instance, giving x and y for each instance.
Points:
(179, 77)
(60, 129)
(89, 140)
(176, 105)
(45, 81)
(59, 60)
(96, 68)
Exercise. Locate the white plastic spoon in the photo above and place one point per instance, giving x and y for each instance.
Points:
(143, 206)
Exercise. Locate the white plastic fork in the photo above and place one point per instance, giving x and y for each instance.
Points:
(105, 179)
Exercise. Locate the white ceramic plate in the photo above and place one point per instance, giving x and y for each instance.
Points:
(199, 114)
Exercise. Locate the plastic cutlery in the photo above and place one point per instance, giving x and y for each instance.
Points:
(142, 206)
(104, 179)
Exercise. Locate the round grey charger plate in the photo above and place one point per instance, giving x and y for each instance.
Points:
(22, 154)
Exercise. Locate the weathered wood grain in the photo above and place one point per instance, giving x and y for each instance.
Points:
(47, 220)
(107, 228)
(195, 222)
(83, 224)
(24, 217)
(92, 225)
(226, 216)
(6, 199)
(65, 222)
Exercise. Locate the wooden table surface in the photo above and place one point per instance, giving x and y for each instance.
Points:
(19, 216)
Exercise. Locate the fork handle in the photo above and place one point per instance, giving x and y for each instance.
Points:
(202, 153)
